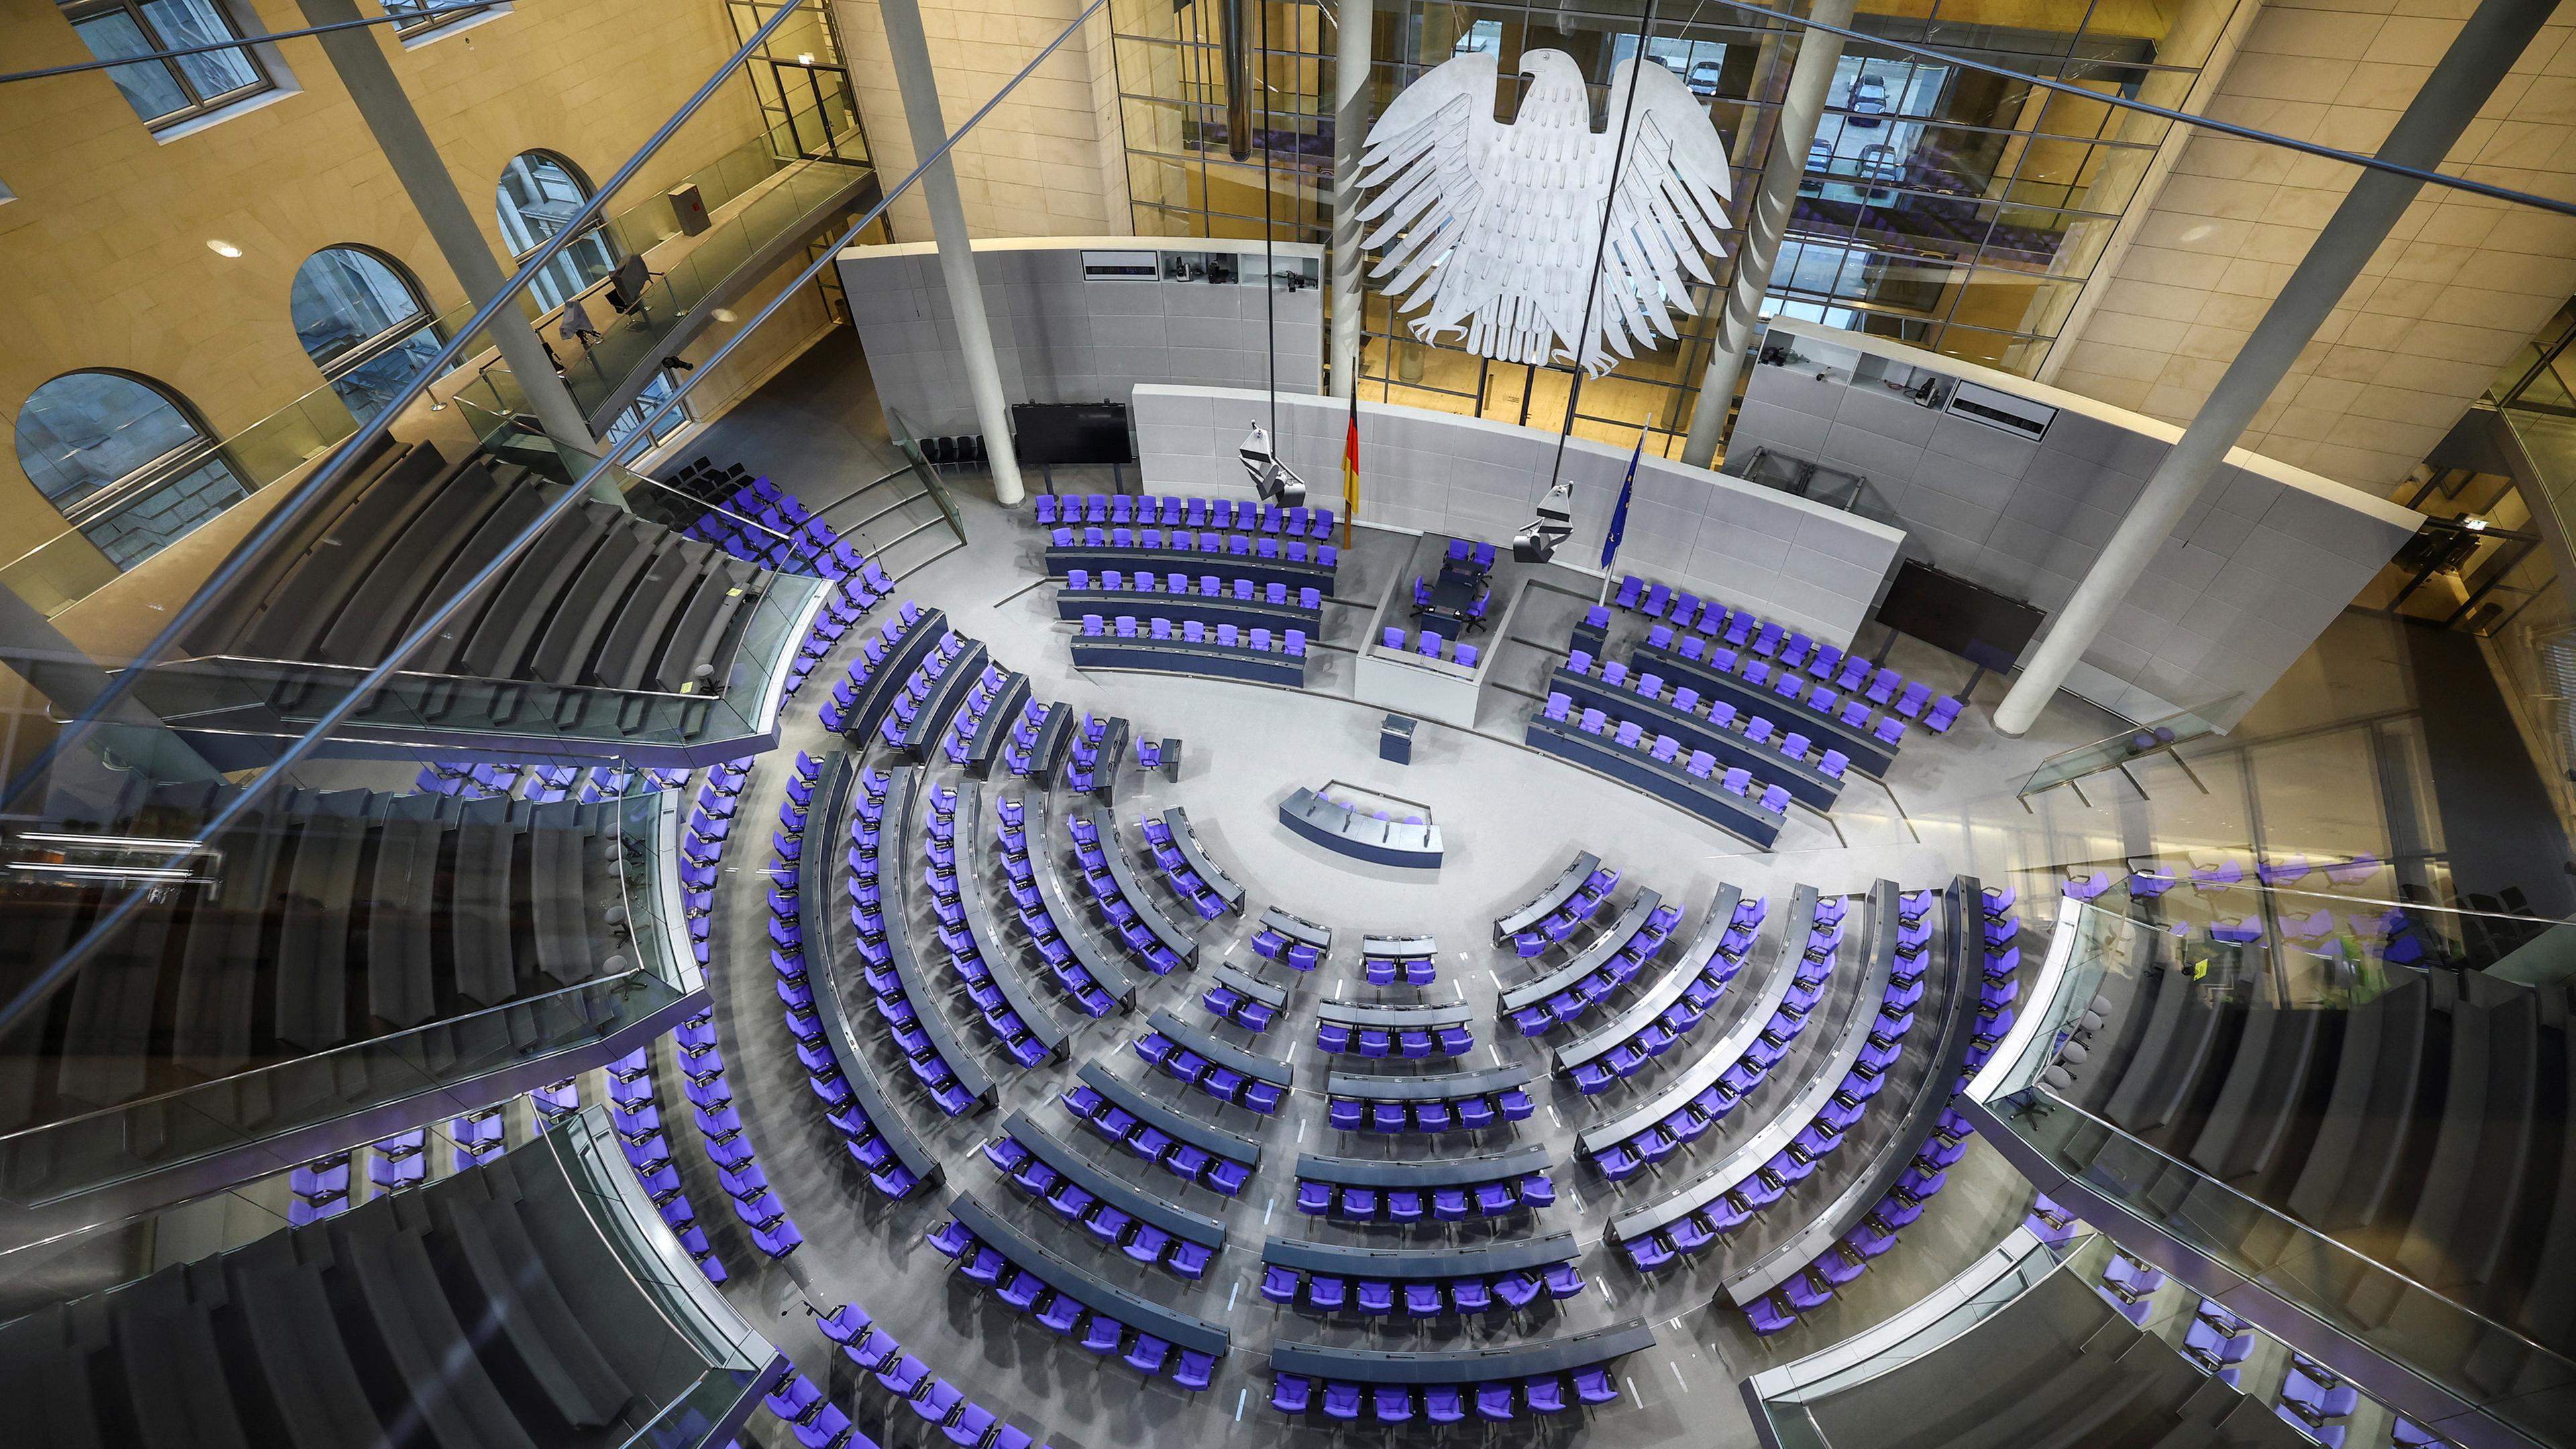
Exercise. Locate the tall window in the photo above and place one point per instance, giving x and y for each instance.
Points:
(125, 460)
(415, 23)
(539, 193)
(363, 323)
(166, 92)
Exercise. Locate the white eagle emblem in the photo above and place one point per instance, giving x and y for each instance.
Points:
(1490, 229)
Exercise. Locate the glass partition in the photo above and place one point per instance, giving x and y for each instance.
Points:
(435, 993)
(2291, 1147)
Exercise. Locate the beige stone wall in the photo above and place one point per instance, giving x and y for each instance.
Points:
(1048, 161)
(105, 248)
(2461, 283)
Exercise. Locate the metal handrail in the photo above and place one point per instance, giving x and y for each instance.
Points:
(51, 979)
(291, 510)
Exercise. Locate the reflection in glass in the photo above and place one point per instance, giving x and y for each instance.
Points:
(363, 323)
(124, 460)
(166, 91)
(539, 194)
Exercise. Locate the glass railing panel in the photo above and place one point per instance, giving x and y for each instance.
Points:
(98, 1100)
(2110, 752)
(2045, 1087)
(797, 202)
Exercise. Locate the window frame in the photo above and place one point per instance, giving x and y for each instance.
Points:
(367, 349)
(564, 274)
(421, 25)
(201, 447)
(199, 106)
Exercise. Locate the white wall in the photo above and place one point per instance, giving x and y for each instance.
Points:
(1059, 338)
(1808, 566)
(2254, 572)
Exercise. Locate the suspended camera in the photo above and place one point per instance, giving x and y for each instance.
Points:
(1270, 477)
(1553, 525)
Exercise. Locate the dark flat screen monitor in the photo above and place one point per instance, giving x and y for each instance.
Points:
(1985, 628)
(1071, 433)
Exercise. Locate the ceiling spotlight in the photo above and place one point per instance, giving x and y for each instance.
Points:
(804, 57)
(223, 248)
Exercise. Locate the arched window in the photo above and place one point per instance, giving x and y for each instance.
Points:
(363, 322)
(539, 193)
(126, 461)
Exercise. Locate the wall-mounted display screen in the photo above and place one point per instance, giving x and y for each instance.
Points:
(1985, 628)
(1048, 433)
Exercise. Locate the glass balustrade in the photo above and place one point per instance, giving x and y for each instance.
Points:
(2333, 1158)
(260, 1064)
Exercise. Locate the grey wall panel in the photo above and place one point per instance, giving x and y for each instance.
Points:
(1806, 565)
(2254, 572)
(1059, 338)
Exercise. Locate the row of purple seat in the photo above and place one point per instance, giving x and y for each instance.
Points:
(841, 1106)
(1812, 974)
(1569, 1005)
(1173, 510)
(1084, 759)
(965, 953)
(1140, 1241)
(968, 721)
(1741, 630)
(1091, 853)
(1756, 730)
(1560, 923)
(818, 1423)
(738, 1172)
(1412, 970)
(1820, 1135)
(1197, 633)
(1207, 545)
(1185, 1160)
(637, 1120)
(1814, 1284)
(925, 676)
(868, 917)
(1076, 979)
(1060, 1312)
(848, 602)
(789, 535)
(1687, 1011)
(1019, 752)
(835, 712)
(1846, 1259)
(1223, 1083)
(1408, 1205)
(1229, 1005)
(1442, 1403)
(1185, 882)
(702, 843)
(1419, 1297)
(1472, 1113)
(1379, 1042)
(1242, 591)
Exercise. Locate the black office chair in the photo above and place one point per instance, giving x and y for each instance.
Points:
(943, 452)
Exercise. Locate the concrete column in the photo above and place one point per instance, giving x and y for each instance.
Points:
(2476, 63)
(1355, 20)
(910, 48)
(1766, 219)
(359, 57)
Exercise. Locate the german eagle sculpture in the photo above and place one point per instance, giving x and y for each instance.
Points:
(1490, 230)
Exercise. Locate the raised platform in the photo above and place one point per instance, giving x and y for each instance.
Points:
(1338, 827)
